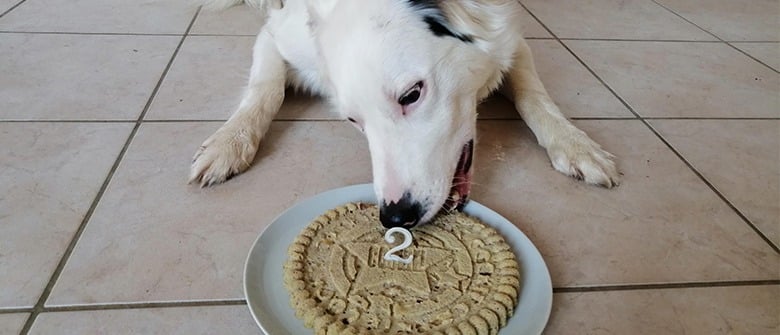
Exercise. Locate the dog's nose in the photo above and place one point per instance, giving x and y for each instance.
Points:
(405, 213)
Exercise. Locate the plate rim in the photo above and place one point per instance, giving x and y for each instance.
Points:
(547, 281)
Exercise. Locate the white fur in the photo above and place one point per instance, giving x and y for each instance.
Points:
(362, 55)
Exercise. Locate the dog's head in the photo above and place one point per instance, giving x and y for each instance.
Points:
(407, 77)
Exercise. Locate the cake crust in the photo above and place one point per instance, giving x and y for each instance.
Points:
(464, 278)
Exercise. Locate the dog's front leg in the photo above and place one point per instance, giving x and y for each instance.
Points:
(231, 149)
(571, 151)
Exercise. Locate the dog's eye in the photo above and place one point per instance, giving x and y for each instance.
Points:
(351, 120)
(412, 95)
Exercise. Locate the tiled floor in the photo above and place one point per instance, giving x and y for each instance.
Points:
(103, 102)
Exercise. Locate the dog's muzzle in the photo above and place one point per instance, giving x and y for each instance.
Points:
(407, 212)
(461, 181)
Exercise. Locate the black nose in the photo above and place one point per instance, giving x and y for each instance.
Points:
(405, 213)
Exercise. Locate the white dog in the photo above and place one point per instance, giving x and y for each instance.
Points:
(409, 74)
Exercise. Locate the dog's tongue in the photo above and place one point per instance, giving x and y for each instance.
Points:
(461, 182)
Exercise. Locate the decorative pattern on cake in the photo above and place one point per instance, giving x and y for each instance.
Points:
(463, 279)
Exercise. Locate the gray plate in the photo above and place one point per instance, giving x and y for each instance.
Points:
(269, 301)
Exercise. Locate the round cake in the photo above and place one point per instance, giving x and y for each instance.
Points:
(463, 278)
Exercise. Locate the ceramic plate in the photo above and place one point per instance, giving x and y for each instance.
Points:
(269, 301)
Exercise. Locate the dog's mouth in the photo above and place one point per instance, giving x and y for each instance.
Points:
(461, 181)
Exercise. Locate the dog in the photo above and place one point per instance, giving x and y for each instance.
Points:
(409, 74)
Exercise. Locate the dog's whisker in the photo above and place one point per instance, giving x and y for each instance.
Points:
(459, 183)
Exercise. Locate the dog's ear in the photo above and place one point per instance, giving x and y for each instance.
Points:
(433, 14)
(469, 21)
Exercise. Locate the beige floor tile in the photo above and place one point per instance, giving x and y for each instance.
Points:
(532, 28)
(676, 79)
(169, 321)
(238, 20)
(662, 224)
(207, 79)
(769, 53)
(101, 16)
(747, 20)
(153, 237)
(614, 19)
(740, 157)
(79, 76)
(576, 91)
(12, 323)
(692, 311)
(49, 176)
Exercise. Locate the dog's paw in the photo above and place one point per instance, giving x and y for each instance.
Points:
(226, 153)
(580, 157)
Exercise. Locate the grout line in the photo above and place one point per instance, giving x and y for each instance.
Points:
(636, 40)
(85, 33)
(12, 8)
(65, 121)
(142, 305)
(341, 120)
(154, 120)
(539, 38)
(667, 143)
(592, 72)
(714, 189)
(308, 120)
(594, 39)
(665, 286)
(131, 305)
(713, 35)
(709, 118)
(184, 120)
(229, 35)
(597, 118)
(748, 42)
(751, 57)
(15, 310)
(240, 302)
(590, 118)
(225, 120)
(40, 305)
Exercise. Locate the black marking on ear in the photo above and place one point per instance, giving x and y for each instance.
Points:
(437, 22)
(439, 29)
